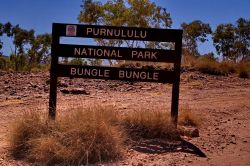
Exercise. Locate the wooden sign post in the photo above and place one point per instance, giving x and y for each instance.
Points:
(116, 53)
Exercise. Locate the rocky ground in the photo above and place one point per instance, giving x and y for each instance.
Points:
(222, 102)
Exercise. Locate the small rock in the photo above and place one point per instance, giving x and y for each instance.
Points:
(152, 159)
(222, 147)
(195, 133)
(65, 91)
(129, 89)
(47, 81)
(24, 95)
(76, 91)
(79, 91)
(12, 93)
(232, 142)
(125, 163)
(189, 131)
(7, 87)
(140, 164)
(46, 89)
(62, 84)
(146, 88)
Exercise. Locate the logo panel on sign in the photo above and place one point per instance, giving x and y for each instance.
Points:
(71, 30)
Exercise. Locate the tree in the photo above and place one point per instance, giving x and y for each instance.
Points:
(194, 32)
(139, 13)
(1, 33)
(224, 40)
(22, 38)
(4, 61)
(242, 44)
(233, 41)
(29, 50)
(132, 13)
(40, 50)
(5, 29)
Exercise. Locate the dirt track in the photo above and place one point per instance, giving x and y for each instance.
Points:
(222, 102)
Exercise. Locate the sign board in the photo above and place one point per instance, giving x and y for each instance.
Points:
(116, 53)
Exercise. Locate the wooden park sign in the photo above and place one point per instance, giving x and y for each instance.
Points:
(116, 53)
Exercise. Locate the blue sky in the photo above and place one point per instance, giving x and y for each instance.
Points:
(40, 14)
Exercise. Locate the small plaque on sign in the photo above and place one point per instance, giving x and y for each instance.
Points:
(71, 30)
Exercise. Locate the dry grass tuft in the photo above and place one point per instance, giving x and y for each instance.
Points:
(86, 136)
(30, 126)
(149, 125)
(243, 70)
(209, 66)
(188, 118)
(90, 135)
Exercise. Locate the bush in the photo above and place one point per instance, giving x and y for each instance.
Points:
(208, 65)
(90, 135)
(188, 118)
(243, 70)
(188, 61)
(5, 63)
(29, 127)
(243, 74)
(84, 137)
(149, 125)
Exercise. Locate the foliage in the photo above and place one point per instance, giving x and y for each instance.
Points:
(40, 50)
(133, 13)
(5, 63)
(30, 50)
(231, 41)
(242, 44)
(139, 13)
(94, 62)
(78, 61)
(1, 33)
(224, 37)
(4, 29)
(194, 32)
